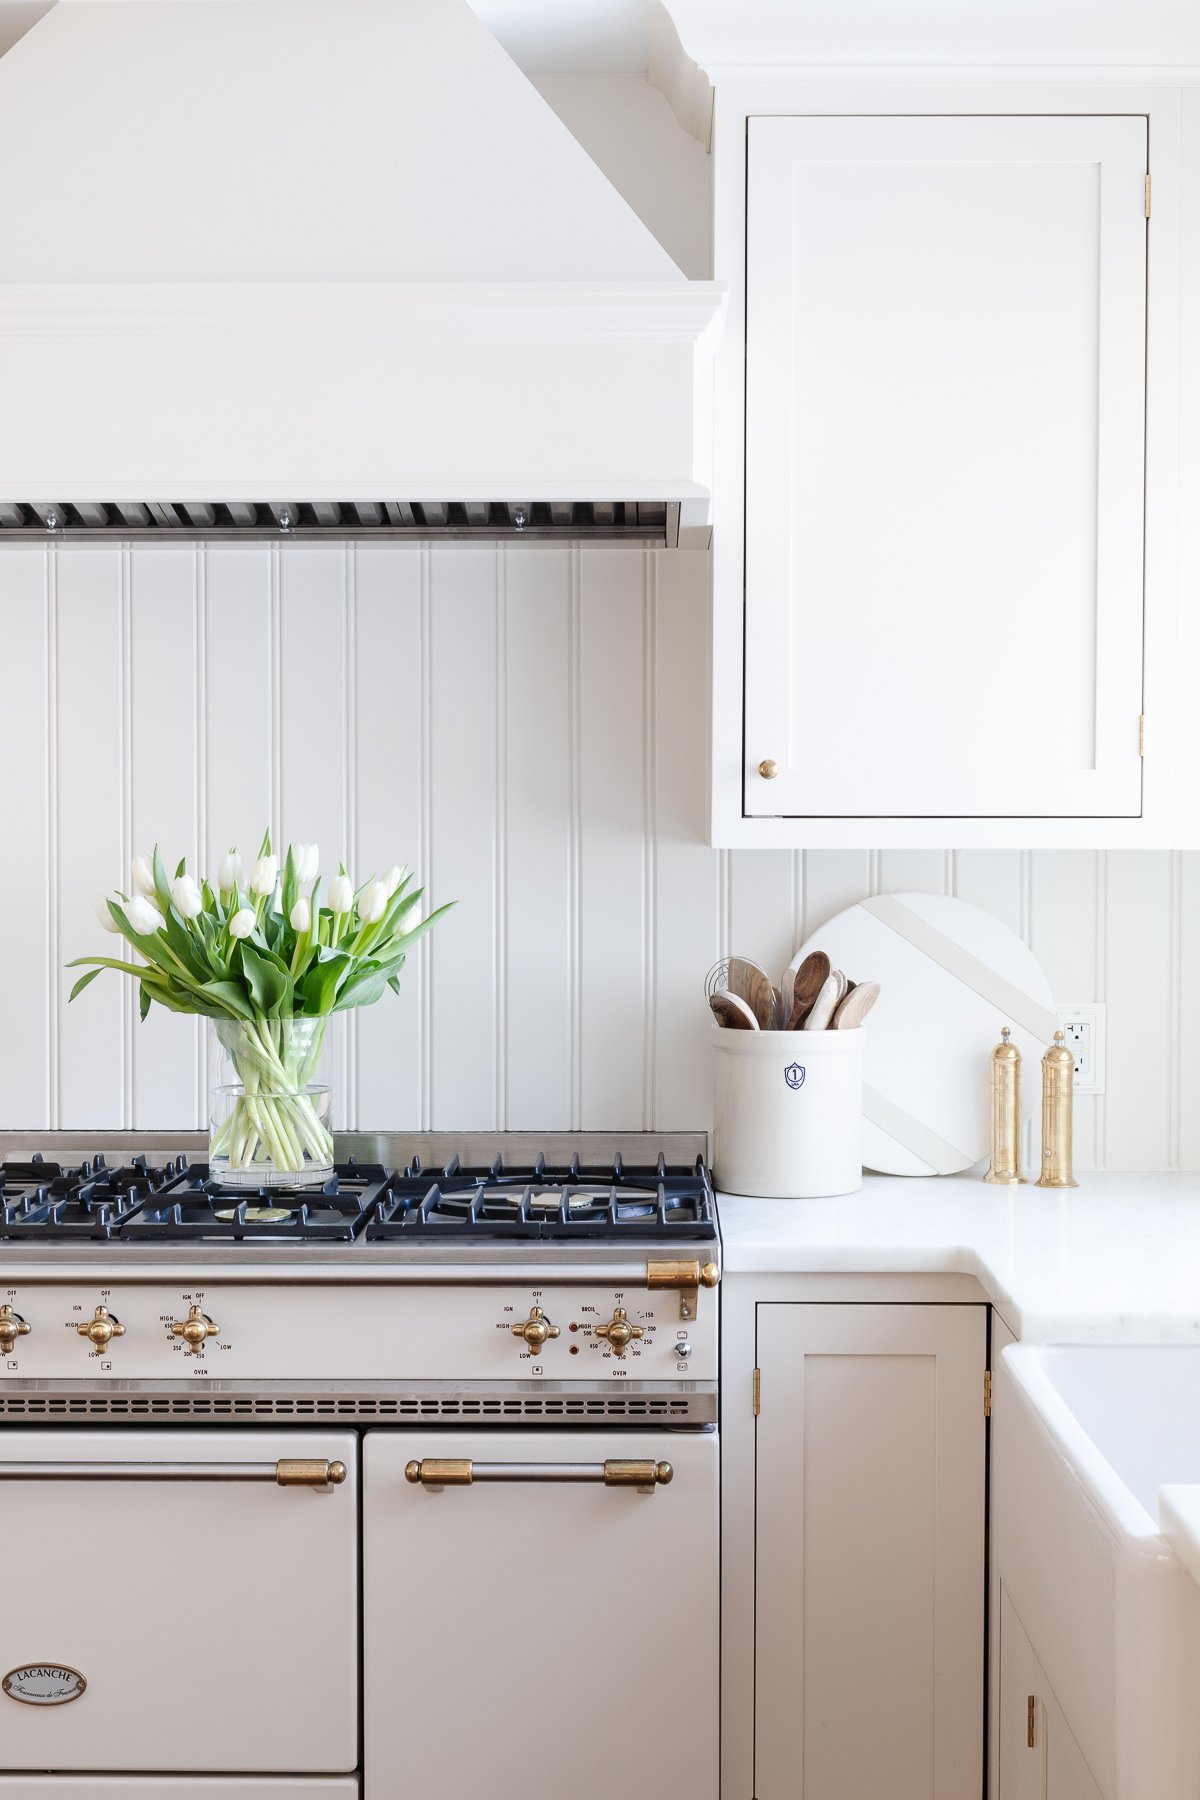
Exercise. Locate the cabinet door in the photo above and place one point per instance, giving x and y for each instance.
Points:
(945, 424)
(1039, 1758)
(539, 1635)
(869, 1553)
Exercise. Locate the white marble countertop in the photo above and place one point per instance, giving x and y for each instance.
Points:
(1115, 1260)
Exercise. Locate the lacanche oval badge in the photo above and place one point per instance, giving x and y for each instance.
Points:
(44, 1684)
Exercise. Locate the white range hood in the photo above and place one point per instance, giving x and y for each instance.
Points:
(335, 255)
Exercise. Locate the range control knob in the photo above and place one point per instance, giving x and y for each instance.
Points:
(12, 1326)
(683, 1350)
(194, 1330)
(619, 1332)
(102, 1329)
(535, 1329)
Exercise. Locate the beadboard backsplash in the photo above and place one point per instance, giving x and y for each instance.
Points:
(527, 726)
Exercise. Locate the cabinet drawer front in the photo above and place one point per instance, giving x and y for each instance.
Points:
(869, 1552)
(945, 459)
(213, 1620)
(580, 1619)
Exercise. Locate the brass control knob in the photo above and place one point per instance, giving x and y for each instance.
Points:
(194, 1330)
(535, 1329)
(768, 768)
(101, 1329)
(619, 1332)
(12, 1326)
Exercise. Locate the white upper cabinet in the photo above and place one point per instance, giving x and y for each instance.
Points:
(946, 353)
(947, 561)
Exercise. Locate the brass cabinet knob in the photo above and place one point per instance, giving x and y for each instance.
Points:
(12, 1326)
(619, 1332)
(101, 1329)
(535, 1329)
(768, 768)
(194, 1330)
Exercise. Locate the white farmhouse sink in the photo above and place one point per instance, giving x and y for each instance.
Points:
(1084, 1440)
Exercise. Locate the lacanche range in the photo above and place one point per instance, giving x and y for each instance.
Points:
(300, 1481)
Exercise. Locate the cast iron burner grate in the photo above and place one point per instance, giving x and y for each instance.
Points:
(45, 1199)
(557, 1203)
(196, 1206)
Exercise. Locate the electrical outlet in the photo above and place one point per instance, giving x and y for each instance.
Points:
(1083, 1028)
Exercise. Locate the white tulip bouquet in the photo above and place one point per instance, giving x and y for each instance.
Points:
(269, 962)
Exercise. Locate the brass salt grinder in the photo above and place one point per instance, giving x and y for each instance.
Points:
(1004, 1170)
(1058, 1093)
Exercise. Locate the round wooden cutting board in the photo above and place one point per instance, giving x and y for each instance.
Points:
(951, 976)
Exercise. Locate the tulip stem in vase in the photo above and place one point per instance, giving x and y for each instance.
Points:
(269, 962)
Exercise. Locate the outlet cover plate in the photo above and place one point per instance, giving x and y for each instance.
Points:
(1083, 1026)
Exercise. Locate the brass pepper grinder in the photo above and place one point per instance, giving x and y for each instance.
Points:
(1058, 1094)
(1004, 1170)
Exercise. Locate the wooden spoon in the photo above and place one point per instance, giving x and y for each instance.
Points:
(731, 1011)
(822, 1009)
(856, 1005)
(748, 982)
(808, 980)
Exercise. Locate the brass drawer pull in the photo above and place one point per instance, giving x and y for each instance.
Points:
(442, 1471)
(290, 1471)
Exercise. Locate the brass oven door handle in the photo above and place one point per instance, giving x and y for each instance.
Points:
(289, 1471)
(460, 1471)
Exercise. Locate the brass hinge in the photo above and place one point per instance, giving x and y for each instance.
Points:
(1147, 196)
(987, 1393)
(756, 1392)
(1141, 734)
(1031, 1721)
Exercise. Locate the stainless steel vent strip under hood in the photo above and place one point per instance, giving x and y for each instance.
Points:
(656, 522)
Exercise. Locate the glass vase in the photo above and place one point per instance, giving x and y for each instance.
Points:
(271, 1122)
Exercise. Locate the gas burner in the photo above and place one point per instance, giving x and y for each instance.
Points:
(197, 1206)
(46, 1199)
(548, 1203)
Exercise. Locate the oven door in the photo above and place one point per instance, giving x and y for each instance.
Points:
(539, 1630)
(167, 1604)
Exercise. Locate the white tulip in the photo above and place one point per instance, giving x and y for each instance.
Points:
(306, 860)
(373, 904)
(105, 917)
(186, 897)
(341, 894)
(392, 879)
(300, 917)
(143, 876)
(264, 875)
(229, 871)
(242, 923)
(143, 916)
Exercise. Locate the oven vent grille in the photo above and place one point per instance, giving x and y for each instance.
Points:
(340, 1406)
(178, 521)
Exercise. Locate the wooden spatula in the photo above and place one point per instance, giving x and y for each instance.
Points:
(856, 1005)
(731, 1011)
(823, 1006)
(748, 982)
(807, 982)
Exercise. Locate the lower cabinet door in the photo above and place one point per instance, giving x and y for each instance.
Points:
(540, 1635)
(201, 1617)
(869, 1547)
(1039, 1757)
(175, 1787)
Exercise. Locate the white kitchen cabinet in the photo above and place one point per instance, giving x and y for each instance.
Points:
(948, 575)
(869, 1552)
(1039, 1758)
